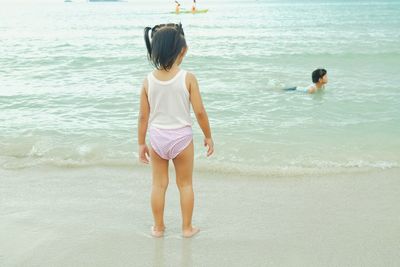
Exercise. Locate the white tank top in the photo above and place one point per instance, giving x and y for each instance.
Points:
(169, 102)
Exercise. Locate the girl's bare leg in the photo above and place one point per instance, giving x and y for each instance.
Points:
(159, 187)
(184, 171)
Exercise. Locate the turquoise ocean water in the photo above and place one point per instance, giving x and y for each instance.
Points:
(70, 77)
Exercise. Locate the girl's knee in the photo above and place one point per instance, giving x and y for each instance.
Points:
(184, 184)
(161, 184)
(160, 187)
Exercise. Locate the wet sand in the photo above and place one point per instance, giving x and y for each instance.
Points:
(101, 217)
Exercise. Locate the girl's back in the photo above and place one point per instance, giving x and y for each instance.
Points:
(169, 101)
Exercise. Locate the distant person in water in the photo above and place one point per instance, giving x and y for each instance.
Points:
(194, 6)
(319, 79)
(177, 7)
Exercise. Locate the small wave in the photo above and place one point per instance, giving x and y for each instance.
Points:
(314, 168)
(317, 168)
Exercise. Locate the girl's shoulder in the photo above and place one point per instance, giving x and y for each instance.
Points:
(191, 80)
(190, 76)
(312, 86)
(145, 84)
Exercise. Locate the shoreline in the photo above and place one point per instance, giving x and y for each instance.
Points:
(97, 216)
(205, 167)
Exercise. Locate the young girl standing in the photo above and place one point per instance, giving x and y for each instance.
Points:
(165, 100)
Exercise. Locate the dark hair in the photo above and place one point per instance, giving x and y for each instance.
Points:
(318, 74)
(167, 42)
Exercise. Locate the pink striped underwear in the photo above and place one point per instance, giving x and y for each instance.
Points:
(169, 143)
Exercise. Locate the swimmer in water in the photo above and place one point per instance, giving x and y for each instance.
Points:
(177, 7)
(194, 6)
(319, 79)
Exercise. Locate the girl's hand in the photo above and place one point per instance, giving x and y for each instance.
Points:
(208, 142)
(144, 154)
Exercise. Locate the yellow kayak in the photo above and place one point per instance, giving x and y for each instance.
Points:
(189, 11)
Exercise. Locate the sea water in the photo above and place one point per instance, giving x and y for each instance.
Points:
(71, 75)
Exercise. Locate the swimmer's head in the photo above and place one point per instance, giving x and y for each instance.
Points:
(167, 45)
(320, 75)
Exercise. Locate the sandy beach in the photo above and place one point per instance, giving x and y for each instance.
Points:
(101, 217)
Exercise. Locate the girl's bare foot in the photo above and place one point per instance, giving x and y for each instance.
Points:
(157, 231)
(190, 232)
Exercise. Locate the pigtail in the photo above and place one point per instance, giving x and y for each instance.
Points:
(180, 29)
(147, 40)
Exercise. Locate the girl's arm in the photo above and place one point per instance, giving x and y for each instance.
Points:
(143, 120)
(200, 112)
